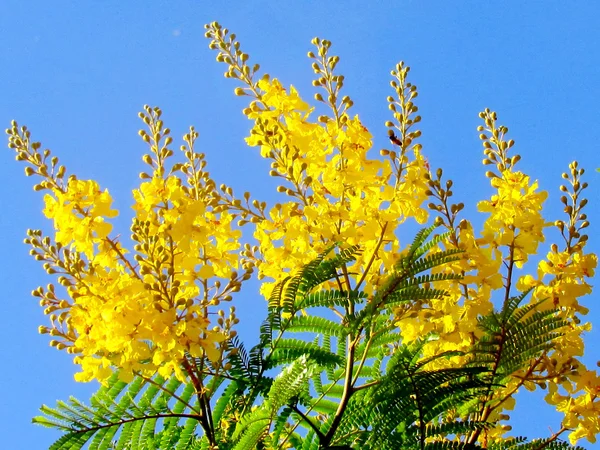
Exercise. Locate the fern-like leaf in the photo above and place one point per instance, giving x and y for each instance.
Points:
(133, 409)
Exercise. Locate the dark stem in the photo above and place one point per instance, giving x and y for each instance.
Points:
(316, 429)
(487, 409)
(347, 393)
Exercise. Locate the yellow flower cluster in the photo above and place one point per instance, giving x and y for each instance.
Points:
(515, 219)
(339, 193)
(149, 313)
(578, 399)
(79, 214)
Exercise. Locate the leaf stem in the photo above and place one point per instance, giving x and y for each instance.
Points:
(372, 259)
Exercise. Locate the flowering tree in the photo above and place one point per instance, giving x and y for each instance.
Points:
(368, 342)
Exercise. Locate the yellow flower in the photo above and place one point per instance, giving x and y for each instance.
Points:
(79, 214)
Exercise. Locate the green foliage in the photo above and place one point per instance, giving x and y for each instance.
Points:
(146, 414)
(513, 338)
(343, 378)
(520, 444)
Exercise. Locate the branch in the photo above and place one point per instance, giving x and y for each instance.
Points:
(487, 409)
(316, 429)
(370, 263)
(115, 247)
(347, 393)
(366, 385)
(172, 394)
(552, 438)
(124, 421)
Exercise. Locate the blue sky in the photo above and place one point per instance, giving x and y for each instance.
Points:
(77, 73)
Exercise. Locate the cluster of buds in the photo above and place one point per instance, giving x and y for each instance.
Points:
(573, 206)
(448, 211)
(495, 145)
(39, 163)
(324, 66)
(406, 117)
(229, 52)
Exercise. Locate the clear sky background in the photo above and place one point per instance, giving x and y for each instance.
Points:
(77, 73)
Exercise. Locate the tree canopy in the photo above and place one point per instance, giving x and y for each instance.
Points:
(368, 342)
